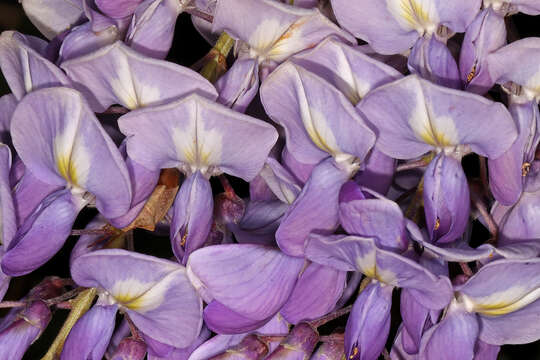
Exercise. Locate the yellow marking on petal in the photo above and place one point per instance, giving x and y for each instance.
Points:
(472, 74)
(67, 169)
(435, 138)
(525, 168)
(502, 307)
(437, 224)
(184, 238)
(134, 295)
(354, 353)
(419, 15)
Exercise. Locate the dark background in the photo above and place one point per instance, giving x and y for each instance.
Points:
(188, 47)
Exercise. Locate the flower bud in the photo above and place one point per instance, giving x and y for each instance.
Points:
(130, 349)
(26, 327)
(250, 348)
(298, 345)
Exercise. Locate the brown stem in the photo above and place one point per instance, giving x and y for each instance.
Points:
(78, 232)
(192, 10)
(66, 296)
(466, 269)
(116, 109)
(271, 338)
(227, 187)
(411, 165)
(329, 317)
(490, 222)
(134, 331)
(130, 243)
(484, 175)
(339, 337)
(12, 304)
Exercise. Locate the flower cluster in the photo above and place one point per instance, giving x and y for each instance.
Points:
(358, 202)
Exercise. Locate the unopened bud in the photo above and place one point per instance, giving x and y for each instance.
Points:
(250, 348)
(298, 345)
(130, 349)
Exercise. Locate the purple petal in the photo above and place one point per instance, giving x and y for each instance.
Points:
(251, 280)
(53, 16)
(223, 320)
(372, 22)
(347, 68)
(316, 293)
(351, 253)
(502, 287)
(414, 116)
(484, 351)
(24, 68)
(484, 35)
(28, 194)
(215, 345)
(274, 31)
(379, 218)
(369, 323)
(504, 70)
(70, 148)
(152, 28)
(239, 85)
(24, 330)
(507, 173)
(432, 60)
(91, 334)
(315, 209)
(83, 40)
(8, 103)
(182, 353)
(192, 216)
(303, 104)
(158, 138)
(260, 222)
(414, 317)
(518, 327)
(8, 220)
(452, 339)
(52, 220)
(280, 181)
(119, 8)
(117, 74)
(378, 172)
(446, 199)
(151, 292)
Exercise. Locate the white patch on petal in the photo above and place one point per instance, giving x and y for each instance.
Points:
(198, 146)
(290, 42)
(502, 302)
(27, 75)
(367, 264)
(317, 127)
(356, 88)
(130, 92)
(135, 295)
(532, 87)
(72, 158)
(265, 35)
(437, 131)
(419, 15)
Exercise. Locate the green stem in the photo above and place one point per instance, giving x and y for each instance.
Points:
(216, 65)
(81, 304)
